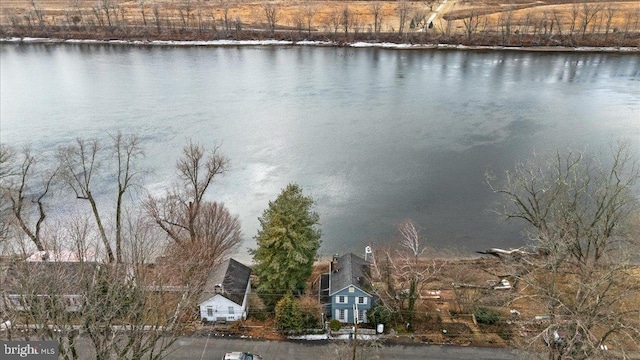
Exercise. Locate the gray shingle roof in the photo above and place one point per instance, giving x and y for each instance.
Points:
(351, 270)
(234, 278)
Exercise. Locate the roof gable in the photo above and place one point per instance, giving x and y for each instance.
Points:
(357, 290)
(218, 300)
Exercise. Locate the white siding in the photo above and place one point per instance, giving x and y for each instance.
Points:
(221, 309)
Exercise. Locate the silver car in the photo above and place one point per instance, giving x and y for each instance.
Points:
(241, 356)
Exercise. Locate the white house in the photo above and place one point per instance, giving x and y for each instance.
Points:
(225, 295)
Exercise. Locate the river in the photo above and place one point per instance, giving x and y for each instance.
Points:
(374, 135)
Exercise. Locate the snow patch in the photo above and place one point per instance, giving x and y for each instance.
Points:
(358, 44)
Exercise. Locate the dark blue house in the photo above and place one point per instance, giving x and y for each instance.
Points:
(346, 289)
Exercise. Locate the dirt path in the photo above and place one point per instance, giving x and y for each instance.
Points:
(441, 9)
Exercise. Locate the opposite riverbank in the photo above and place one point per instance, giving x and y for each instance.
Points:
(553, 25)
(381, 45)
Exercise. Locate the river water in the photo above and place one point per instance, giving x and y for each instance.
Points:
(374, 135)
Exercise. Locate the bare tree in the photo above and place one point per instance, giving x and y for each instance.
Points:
(375, 8)
(412, 270)
(34, 292)
(471, 23)
(346, 19)
(575, 12)
(218, 233)
(404, 272)
(28, 185)
(185, 13)
(126, 149)
(78, 18)
(238, 25)
(579, 213)
(79, 164)
(558, 19)
(610, 11)
(82, 163)
(6, 156)
(143, 7)
(178, 211)
(589, 12)
(403, 15)
(334, 21)
(202, 232)
(106, 7)
(226, 6)
(6, 171)
(38, 12)
(126, 311)
(156, 17)
(298, 20)
(97, 12)
(309, 11)
(505, 22)
(271, 14)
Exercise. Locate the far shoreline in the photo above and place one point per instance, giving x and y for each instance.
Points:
(355, 44)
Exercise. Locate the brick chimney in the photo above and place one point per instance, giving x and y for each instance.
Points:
(334, 264)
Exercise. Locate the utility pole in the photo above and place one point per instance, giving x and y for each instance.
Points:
(355, 329)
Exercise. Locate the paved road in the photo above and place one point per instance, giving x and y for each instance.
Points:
(196, 348)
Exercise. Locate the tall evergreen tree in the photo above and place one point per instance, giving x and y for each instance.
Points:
(288, 242)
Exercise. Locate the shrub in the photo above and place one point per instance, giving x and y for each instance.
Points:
(288, 315)
(486, 316)
(379, 315)
(335, 325)
(310, 309)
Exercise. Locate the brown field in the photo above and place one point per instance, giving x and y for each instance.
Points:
(314, 19)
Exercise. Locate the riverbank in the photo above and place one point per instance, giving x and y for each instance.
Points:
(359, 44)
(555, 25)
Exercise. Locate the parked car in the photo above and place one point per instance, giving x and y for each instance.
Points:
(241, 356)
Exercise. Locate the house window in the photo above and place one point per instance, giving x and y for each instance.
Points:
(231, 310)
(362, 300)
(361, 316)
(352, 289)
(341, 299)
(342, 314)
(210, 311)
